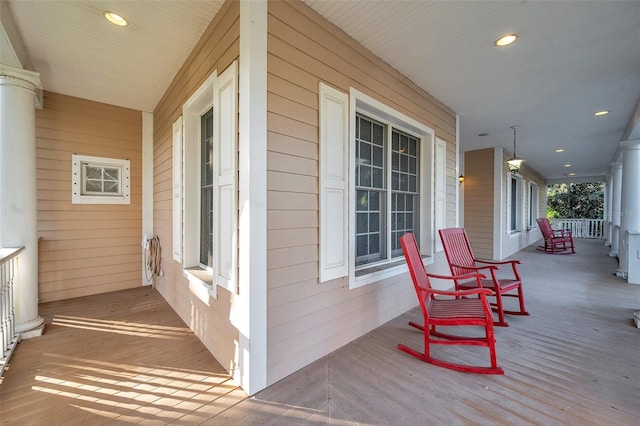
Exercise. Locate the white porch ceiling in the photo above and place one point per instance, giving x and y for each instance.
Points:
(572, 58)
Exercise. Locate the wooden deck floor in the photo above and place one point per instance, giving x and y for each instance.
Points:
(126, 358)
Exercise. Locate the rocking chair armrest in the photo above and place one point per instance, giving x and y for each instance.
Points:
(458, 277)
(497, 262)
(459, 293)
(477, 268)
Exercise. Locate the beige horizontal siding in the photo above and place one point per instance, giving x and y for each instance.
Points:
(216, 50)
(478, 201)
(90, 248)
(307, 319)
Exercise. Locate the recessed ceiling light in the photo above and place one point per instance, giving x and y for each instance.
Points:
(572, 174)
(116, 19)
(506, 39)
(559, 150)
(599, 113)
(483, 134)
(567, 165)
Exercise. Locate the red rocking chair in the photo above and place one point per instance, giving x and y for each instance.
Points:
(462, 261)
(457, 310)
(556, 241)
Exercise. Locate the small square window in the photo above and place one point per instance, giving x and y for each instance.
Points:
(98, 180)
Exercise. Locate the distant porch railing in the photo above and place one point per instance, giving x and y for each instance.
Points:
(581, 228)
(8, 276)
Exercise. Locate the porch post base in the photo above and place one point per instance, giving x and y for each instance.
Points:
(30, 329)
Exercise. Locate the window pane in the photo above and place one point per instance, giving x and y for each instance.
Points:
(365, 130)
(206, 188)
(374, 201)
(362, 245)
(111, 174)
(365, 153)
(93, 172)
(362, 223)
(94, 186)
(111, 187)
(378, 134)
(365, 176)
(374, 222)
(378, 178)
(362, 200)
(377, 156)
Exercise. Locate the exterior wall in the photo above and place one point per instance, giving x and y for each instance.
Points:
(486, 227)
(306, 319)
(515, 243)
(479, 201)
(209, 318)
(86, 249)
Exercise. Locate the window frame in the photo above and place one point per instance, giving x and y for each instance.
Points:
(361, 103)
(79, 179)
(220, 92)
(515, 208)
(534, 198)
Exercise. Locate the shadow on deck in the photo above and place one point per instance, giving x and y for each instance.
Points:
(126, 358)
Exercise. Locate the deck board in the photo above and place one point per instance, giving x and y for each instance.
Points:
(126, 358)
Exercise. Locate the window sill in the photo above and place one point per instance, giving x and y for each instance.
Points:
(514, 234)
(200, 281)
(380, 272)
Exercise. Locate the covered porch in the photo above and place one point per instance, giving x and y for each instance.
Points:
(126, 357)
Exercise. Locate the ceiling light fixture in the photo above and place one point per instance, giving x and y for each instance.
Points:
(567, 165)
(116, 19)
(506, 39)
(514, 162)
(559, 150)
(599, 113)
(572, 174)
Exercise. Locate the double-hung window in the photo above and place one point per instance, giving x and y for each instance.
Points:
(205, 183)
(376, 183)
(533, 204)
(206, 189)
(387, 189)
(515, 211)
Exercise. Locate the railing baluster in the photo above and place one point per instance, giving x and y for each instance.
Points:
(8, 279)
(582, 228)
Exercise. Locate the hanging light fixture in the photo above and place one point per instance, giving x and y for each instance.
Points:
(514, 162)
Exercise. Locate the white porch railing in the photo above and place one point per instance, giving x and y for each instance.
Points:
(8, 277)
(581, 228)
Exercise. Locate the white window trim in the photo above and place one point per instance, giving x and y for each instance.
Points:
(177, 190)
(360, 102)
(519, 205)
(221, 93)
(77, 178)
(199, 103)
(534, 201)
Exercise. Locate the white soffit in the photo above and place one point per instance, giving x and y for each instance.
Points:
(79, 53)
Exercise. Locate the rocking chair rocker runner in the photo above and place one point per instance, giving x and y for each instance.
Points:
(555, 240)
(462, 261)
(458, 310)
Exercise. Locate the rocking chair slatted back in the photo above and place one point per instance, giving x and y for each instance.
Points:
(459, 255)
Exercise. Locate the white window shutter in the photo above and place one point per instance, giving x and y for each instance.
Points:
(441, 190)
(177, 190)
(334, 172)
(225, 179)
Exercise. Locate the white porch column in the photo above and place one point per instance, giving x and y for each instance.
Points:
(630, 205)
(18, 198)
(616, 194)
(607, 209)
